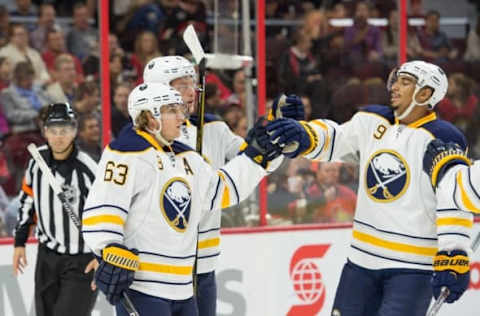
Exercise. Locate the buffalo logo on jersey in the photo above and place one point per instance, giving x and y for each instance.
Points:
(175, 203)
(387, 176)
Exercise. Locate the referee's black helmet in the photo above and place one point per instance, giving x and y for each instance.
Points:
(60, 114)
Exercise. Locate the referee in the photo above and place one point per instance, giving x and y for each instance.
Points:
(64, 269)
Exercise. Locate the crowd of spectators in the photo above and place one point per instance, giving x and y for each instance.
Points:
(334, 68)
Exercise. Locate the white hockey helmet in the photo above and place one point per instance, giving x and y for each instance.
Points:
(426, 75)
(168, 68)
(151, 97)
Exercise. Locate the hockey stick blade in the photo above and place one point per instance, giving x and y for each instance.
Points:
(67, 207)
(193, 43)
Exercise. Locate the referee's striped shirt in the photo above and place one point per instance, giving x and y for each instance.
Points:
(40, 206)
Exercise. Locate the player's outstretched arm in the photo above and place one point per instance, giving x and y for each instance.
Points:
(452, 175)
(238, 178)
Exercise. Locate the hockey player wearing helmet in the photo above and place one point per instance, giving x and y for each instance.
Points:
(65, 265)
(220, 144)
(150, 195)
(400, 235)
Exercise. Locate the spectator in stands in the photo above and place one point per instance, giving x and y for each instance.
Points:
(242, 127)
(55, 46)
(390, 42)
(117, 75)
(4, 25)
(87, 98)
(114, 45)
(472, 53)
(82, 38)
(238, 85)
(363, 41)
(460, 106)
(45, 23)
(298, 69)
(331, 201)
(21, 102)
(146, 48)
(307, 106)
(435, 45)
(18, 50)
(232, 115)
(25, 8)
(119, 110)
(63, 89)
(5, 72)
(88, 138)
(142, 15)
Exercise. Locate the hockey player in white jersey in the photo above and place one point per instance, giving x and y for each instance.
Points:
(219, 145)
(399, 236)
(149, 196)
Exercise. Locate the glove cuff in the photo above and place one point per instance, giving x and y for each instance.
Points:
(456, 261)
(312, 135)
(121, 257)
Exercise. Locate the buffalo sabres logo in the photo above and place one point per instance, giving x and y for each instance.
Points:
(175, 203)
(387, 176)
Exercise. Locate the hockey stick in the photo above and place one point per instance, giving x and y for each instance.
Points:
(32, 148)
(67, 207)
(193, 43)
(444, 292)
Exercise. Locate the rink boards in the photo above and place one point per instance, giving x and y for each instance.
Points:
(263, 271)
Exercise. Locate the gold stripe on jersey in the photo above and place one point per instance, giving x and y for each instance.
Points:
(208, 243)
(226, 191)
(149, 138)
(165, 268)
(395, 246)
(453, 221)
(432, 116)
(312, 135)
(102, 219)
(464, 196)
(327, 135)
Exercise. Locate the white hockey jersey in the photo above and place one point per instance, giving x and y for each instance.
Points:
(397, 223)
(152, 199)
(219, 145)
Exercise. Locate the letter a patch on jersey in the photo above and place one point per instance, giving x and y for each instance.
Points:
(387, 176)
(175, 203)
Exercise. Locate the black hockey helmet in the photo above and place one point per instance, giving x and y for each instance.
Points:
(60, 114)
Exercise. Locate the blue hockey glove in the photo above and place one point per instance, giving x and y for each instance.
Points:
(451, 269)
(259, 148)
(290, 106)
(293, 137)
(439, 157)
(116, 271)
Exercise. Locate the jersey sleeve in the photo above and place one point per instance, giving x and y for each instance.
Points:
(119, 178)
(26, 211)
(331, 141)
(457, 198)
(232, 142)
(232, 183)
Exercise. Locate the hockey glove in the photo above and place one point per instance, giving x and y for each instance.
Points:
(259, 148)
(116, 271)
(451, 269)
(290, 106)
(293, 137)
(439, 157)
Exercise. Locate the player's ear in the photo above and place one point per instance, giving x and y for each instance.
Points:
(424, 94)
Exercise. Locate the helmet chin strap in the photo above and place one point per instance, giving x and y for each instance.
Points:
(158, 134)
(409, 109)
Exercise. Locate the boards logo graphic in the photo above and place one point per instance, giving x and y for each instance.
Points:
(307, 280)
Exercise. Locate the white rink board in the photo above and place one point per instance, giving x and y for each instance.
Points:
(253, 277)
